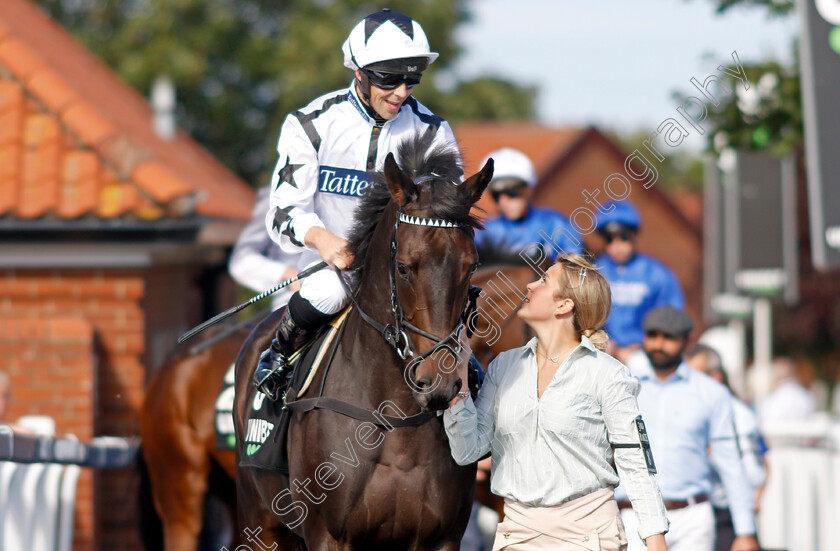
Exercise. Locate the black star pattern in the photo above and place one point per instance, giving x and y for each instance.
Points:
(403, 22)
(286, 174)
(281, 215)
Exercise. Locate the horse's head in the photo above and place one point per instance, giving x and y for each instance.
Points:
(432, 256)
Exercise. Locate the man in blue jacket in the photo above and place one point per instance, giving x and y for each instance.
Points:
(639, 282)
(520, 226)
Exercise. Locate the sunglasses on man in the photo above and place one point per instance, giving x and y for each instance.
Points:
(392, 81)
(513, 193)
(621, 236)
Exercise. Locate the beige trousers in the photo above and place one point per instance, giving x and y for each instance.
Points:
(591, 522)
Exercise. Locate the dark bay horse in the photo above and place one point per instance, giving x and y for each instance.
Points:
(360, 485)
(177, 416)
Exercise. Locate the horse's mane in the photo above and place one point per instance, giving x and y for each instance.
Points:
(416, 159)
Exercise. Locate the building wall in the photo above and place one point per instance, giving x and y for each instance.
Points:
(76, 344)
(50, 362)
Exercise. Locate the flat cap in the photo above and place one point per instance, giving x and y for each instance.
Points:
(668, 320)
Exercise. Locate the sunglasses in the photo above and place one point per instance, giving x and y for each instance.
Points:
(391, 81)
(623, 236)
(513, 193)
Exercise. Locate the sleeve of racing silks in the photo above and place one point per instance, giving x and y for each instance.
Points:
(728, 464)
(620, 409)
(670, 290)
(256, 261)
(470, 425)
(293, 185)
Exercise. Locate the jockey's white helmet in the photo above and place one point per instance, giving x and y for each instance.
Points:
(385, 36)
(511, 164)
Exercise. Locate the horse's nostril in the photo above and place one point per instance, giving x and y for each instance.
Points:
(424, 382)
(458, 384)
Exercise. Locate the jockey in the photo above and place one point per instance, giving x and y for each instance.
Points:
(638, 281)
(326, 151)
(520, 225)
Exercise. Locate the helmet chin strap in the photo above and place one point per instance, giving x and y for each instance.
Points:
(363, 86)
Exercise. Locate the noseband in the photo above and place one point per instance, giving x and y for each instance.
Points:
(395, 335)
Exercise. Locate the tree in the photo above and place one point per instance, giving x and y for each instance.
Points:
(774, 7)
(769, 114)
(240, 66)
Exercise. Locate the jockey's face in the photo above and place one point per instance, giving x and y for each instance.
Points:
(387, 103)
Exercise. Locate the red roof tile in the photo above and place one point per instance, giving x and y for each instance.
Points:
(76, 141)
(542, 144)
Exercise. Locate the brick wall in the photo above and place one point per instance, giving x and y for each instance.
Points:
(82, 343)
(50, 363)
(109, 302)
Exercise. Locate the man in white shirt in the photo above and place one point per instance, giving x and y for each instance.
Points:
(687, 413)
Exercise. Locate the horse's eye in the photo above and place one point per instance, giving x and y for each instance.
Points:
(474, 267)
(402, 269)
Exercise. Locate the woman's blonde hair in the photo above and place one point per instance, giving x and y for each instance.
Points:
(582, 282)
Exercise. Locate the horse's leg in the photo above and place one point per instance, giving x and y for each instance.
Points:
(179, 480)
(258, 526)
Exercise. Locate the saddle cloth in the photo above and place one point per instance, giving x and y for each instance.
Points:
(225, 437)
(268, 422)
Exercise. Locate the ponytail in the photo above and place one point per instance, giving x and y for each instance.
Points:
(598, 337)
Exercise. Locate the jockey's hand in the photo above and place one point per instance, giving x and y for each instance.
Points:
(332, 248)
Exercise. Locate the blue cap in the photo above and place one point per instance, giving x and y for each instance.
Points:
(624, 214)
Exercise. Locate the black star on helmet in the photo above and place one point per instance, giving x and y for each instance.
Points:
(403, 23)
(286, 174)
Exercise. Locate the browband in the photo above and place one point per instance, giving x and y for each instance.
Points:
(431, 222)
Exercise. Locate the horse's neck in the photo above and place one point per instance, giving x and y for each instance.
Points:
(373, 366)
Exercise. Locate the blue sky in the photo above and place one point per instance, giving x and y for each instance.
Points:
(614, 63)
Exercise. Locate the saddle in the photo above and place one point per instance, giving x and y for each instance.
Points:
(267, 421)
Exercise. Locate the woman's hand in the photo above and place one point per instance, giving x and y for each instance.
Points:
(332, 248)
(462, 367)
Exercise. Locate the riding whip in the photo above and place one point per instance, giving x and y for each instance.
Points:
(231, 311)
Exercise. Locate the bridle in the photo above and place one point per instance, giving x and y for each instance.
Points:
(395, 334)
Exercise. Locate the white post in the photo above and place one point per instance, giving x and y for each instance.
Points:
(737, 371)
(762, 347)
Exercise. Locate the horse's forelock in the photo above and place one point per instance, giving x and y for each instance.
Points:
(442, 194)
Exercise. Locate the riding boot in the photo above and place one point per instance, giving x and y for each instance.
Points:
(475, 376)
(272, 374)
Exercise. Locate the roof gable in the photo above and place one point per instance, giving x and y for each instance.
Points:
(75, 141)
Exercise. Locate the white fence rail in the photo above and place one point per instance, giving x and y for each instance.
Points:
(38, 476)
(800, 507)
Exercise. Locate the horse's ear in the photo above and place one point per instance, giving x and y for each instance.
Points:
(475, 185)
(400, 185)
